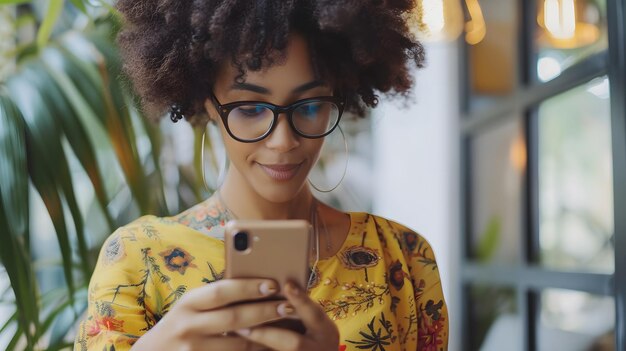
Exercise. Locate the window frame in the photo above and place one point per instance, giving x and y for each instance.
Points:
(528, 278)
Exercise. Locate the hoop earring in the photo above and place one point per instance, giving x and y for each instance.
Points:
(345, 167)
(221, 163)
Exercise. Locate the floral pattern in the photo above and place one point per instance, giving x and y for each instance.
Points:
(358, 257)
(357, 298)
(314, 278)
(431, 326)
(177, 260)
(382, 288)
(397, 275)
(104, 321)
(114, 250)
(411, 240)
(376, 338)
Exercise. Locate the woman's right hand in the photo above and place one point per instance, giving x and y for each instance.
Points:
(203, 315)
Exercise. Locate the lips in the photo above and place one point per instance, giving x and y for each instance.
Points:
(280, 172)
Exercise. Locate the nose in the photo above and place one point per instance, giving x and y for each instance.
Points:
(283, 138)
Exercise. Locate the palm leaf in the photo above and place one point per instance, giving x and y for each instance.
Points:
(14, 2)
(52, 15)
(13, 172)
(16, 338)
(47, 164)
(14, 252)
(58, 65)
(61, 110)
(117, 119)
(57, 108)
(67, 93)
(79, 5)
(9, 322)
(62, 318)
(91, 73)
(123, 134)
(155, 137)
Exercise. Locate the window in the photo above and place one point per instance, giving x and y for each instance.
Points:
(544, 172)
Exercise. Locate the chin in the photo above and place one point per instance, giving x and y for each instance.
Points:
(281, 193)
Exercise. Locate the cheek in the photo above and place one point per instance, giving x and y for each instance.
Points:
(315, 149)
(234, 149)
(237, 152)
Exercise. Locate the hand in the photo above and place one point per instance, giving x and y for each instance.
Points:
(321, 334)
(203, 316)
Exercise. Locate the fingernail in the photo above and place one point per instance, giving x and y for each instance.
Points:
(266, 288)
(293, 289)
(243, 332)
(285, 309)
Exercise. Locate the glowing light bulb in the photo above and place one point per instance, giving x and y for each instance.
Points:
(560, 18)
(433, 15)
(436, 20)
(563, 25)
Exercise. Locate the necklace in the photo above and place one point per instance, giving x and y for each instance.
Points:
(312, 273)
(326, 235)
(314, 219)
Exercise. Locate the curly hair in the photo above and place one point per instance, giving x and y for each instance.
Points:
(172, 49)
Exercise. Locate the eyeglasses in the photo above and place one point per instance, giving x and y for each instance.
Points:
(251, 121)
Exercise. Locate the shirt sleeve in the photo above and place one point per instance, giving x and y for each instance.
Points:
(117, 314)
(432, 311)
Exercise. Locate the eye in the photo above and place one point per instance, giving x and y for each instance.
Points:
(251, 111)
(310, 110)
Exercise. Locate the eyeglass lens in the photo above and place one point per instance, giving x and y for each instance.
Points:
(312, 119)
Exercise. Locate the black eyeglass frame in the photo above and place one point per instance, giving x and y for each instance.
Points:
(225, 109)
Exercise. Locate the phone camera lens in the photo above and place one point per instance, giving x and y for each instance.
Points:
(241, 241)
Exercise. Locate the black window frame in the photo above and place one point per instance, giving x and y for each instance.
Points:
(528, 278)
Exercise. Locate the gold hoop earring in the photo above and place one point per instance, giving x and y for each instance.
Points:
(345, 167)
(218, 156)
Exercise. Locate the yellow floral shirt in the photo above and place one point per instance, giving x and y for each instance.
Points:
(382, 288)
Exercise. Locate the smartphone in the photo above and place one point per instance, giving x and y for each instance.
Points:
(274, 249)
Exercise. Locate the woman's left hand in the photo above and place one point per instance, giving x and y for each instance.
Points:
(321, 331)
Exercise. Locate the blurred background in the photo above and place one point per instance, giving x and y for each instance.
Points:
(510, 159)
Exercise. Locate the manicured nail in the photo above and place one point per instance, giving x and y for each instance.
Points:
(285, 309)
(293, 289)
(266, 288)
(243, 332)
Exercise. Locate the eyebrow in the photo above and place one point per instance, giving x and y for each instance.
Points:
(265, 91)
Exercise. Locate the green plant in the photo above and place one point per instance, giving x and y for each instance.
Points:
(65, 115)
(75, 149)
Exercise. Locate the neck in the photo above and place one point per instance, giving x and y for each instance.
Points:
(245, 203)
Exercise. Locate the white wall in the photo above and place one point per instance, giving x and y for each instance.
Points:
(416, 165)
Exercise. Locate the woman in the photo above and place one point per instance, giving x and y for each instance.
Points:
(296, 65)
